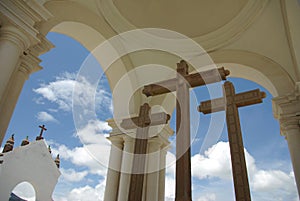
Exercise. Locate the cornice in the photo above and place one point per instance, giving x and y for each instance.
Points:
(29, 64)
(14, 35)
(287, 110)
(163, 135)
(211, 41)
(24, 15)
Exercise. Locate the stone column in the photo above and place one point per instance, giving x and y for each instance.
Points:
(113, 172)
(287, 110)
(162, 174)
(28, 64)
(291, 130)
(12, 44)
(126, 167)
(153, 167)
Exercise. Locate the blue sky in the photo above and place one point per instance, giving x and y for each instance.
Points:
(46, 99)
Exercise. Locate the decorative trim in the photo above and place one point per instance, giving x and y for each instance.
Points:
(211, 41)
(289, 38)
(164, 134)
(29, 64)
(15, 36)
(25, 15)
(287, 110)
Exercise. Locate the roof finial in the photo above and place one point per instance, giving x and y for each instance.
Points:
(40, 137)
(49, 149)
(25, 141)
(9, 145)
(57, 161)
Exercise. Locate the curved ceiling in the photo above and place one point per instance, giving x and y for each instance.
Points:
(191, 17)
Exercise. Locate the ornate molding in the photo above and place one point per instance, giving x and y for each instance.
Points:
(287, 110)
(210, 41)
(29, 64)
(24, 15)
(14, 35)
(163, 135)
(42, 47)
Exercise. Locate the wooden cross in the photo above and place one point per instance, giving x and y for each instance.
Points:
(40, 137)
(142, 123)
(230, 103)
(181, 85)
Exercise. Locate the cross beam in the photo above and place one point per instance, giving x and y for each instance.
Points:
(230, 103)
(43, 128)
(194, 80)
(142, 124)
(181, 85)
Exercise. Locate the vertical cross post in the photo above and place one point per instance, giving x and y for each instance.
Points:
(183, 153)
(40, 137)
(142, 124)
(181, 85)
(230, 103)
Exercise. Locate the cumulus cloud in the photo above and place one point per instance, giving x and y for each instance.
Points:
(207, 197)
(80, 156)
(94, 132)
(86, 193)
(264, 184)
(72, 175)
(60, 91)
(45, 117)
(170, 183)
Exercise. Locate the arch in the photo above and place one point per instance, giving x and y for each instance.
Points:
(257, 68)
(88, 28)
(25, 190)
(83, 25)
(25, 164)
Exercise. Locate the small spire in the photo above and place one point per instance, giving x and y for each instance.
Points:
(9, 145)
(1, 161)
(49, 149)
(57, 161)
(25, 141)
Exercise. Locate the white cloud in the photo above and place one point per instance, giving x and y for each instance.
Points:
(80, 156)
(94, 154)
(86, 193)
(94, 132)
(214, 163)
(46, 117)
(264, 184)
(61, 91)
(72, 175)
(272, 180)
(207, 197)
(170, 183)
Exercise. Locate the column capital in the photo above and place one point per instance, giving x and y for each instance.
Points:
(116, 140)
(287, 110)
(42, 47)
(14, 35)
(25, 15)
(164, 135)
(29, 64)
(155, 143)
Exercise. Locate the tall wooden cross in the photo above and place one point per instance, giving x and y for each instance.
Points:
(230, 103)
(142, 123)
(40, 137)
(181, 85)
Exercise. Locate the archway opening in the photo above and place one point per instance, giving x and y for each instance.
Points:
(82, 176)
(23, 190)
(269, 166)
